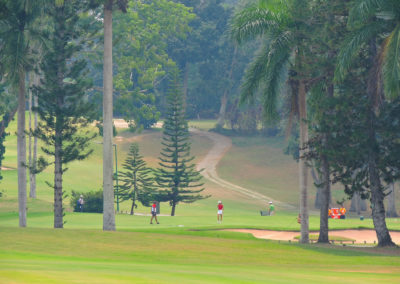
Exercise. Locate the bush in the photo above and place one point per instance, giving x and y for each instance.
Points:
(93, 201)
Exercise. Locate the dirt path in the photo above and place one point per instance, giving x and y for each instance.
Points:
(221, 145)
(360, 236)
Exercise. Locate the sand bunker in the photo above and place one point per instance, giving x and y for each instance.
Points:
(360, 236)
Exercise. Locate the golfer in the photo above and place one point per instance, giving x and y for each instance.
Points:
(154, 213)
(271, 208)
(220, 211)
(80, 203)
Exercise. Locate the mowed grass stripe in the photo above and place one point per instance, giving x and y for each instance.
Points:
(91, 256)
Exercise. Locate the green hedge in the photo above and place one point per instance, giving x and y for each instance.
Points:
(93, 201)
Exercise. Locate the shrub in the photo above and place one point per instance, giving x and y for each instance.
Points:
(93, 201)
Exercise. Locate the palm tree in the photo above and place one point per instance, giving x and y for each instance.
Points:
(108, 187)
(280, 61)
(17, 29)
(369, 20)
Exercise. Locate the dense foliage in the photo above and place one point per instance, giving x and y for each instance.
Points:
(93, 201)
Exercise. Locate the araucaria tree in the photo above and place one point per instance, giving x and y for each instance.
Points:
(62, 107)
(137, 184)
(177, 176)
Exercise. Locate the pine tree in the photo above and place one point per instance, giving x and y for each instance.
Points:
(177, 175)
(137, 184)
(62, 107)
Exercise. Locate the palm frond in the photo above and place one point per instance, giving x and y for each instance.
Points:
(391, 65)
(352, 46)
(255, 74)
(277, 74)
(253, 22)
(269, 72)
(274, 85)
(363, 10)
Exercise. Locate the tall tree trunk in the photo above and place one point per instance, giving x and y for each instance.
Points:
(325, 194)
(108, 188)
(391, 205)
(21, 152)
(355, 205)
(185, 83)
(133, 206)
(173, 209)
(303, 173)
(58, 133)
(32, 192)
(222, 110)
(58, 192)
(378, 210)
(224, 98)
(319, 185)
(326, 189)
(35, 140)
(377, 196)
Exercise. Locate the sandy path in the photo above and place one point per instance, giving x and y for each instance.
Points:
(221, 145)
(360, 236)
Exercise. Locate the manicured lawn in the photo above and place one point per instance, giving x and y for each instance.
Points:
(90, 256)
(187, 248)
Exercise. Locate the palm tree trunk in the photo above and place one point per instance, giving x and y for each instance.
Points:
(326, 188)
(325, 194)
(303, 173)
(377, 196)
(224, 98)
(222, 110)
(21, 152)
(108, 188)
(391, 205)
(378, 210)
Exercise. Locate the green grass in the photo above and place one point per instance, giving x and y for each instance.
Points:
(259, 163)
(203, 124)
(89, 256)
(187, 248)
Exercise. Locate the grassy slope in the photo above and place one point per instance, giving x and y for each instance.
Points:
(259, 163)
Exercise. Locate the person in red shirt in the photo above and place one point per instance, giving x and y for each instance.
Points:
(154, 213)
(220, 211)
